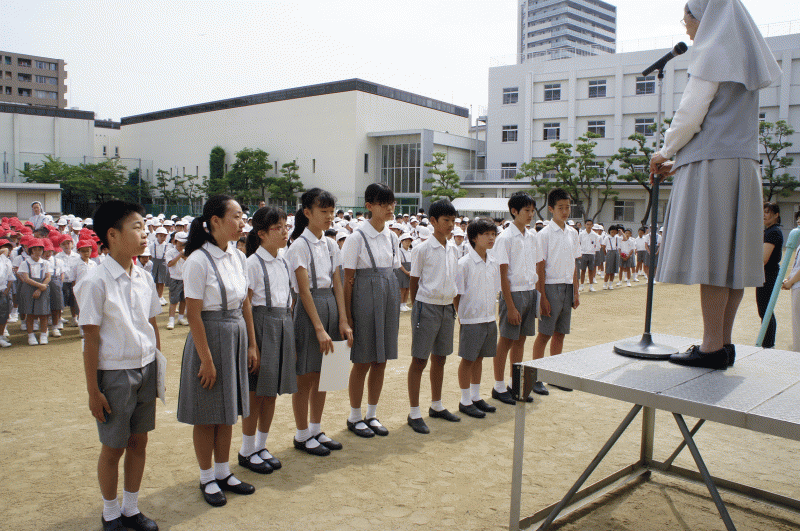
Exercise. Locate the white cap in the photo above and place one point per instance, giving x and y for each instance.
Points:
(148, 216)
(570, 222)
(458, 221)
(169, 223)
(341, 235)
(413, 219)
(458, 232)
(146, 252)
(539, 222)
(247, 228)
(397, 226)
(161, 216)
(406, 236)
(161, 230)
(77, 225)
(424, 232)
(353, 224)
(88, 221)
(63, 222)
(182, 236)
(465, 219)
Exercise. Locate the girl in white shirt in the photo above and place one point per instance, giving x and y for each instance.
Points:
(56, 286)
(6, 281)
(214, 388)
(35, 274)
(404, 271)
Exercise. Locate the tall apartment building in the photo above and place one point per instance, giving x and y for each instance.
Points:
(562, 29)
(33, 80)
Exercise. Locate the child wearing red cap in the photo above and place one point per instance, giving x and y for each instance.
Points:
(56, 284)
(6, 281)
(34, 295)
(82, 267)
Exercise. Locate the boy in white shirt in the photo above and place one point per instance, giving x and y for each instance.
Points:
(590, 243)
(627, 248)
(610, 246)
(641, 254)
(175, 259)
(558, 278)
(119, 304)
(70, 259)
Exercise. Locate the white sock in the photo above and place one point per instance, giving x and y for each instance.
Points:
(500, 386)
(304, 435)
(111, 510)
(415, 413)
(180, 316)
(475, 392)
(130, 503)
(207, 476)
(437, 405)
(466, 400)
(32, 336)
(371, 411)
(172, 319)
(355, 414)
(248, 445)
(314, 429)
(261, 440)
(222, 471)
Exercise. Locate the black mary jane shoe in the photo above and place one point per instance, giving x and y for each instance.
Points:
(504, 397)
(540, 389)
(241, 488)
(418, 425)
(113, 525)
(380, 429)
(471, 410)
(317, 450)
(731, 349)
(484, 406)
(443, 414)
(331, 444)
(361, 432)
(717, 360)
(217, 499)
(272, 461)
(139, 522)
(261, 468)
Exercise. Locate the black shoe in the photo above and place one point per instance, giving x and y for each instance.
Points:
(331, 444)
(471, 410)
(540, 389)
(260, 468)
(217, 499)
(484, 406)
(528, 398)
(731, 349)
(273, 461)
(443, 414)
(319, 450)
(418, 425)
(113, 525)
(380, 429)
(560, 387)
(139, 522)
(365, 432)
(504, 397)
(708, 360)
(241, 488)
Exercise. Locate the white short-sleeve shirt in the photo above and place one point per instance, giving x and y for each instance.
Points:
(383, 245)
(70, 261)
(122, 306)
(590, 242)
(35, 270)
(435, 266)
(559, 249)
(326, 259)
(641, 243)
(279, 278)
(478, 283)
(159, 250)
(520, 251)
(200, 281)
(176, 271)
(627, 247)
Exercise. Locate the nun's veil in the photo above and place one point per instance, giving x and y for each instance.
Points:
(729, 47)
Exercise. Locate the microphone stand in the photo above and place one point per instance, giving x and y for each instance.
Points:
(645, 348)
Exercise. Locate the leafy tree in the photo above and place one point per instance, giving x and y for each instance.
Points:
(216, 170)
(284, 189)
(589, 178)
(247, 173)
(772, 138)
(635, 160)
(559, 165)
(194, 188)
(445, 183)
(137, 191)
(536, 171)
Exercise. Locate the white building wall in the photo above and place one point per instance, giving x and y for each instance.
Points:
(110, 140)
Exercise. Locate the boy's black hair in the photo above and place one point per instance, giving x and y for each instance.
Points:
(41, 232)
(378, 194)
(629, 230)
(796, 215)
(556, 195)
(479, 226)
(518, 201)
(340, 211)
(498, 220)
(331, 233)
(111, 215)
(642, 229)
(585, 221)
(442, 207)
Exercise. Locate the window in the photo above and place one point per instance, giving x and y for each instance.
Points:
(576, 210)
(508, 170)
(25, 93)
(624, 211)
(47, 80)
(552, 131)
(24, 62)
(24, 77)
(366, 162)
(510, 95)
(509, 133)
(598, 127)
(645, 85)
(116, 154)
(47, 94)
(597, 88)
(645, 126)
(8, 75)
(400, 167)
(105, 152)
(42, 65)
(8, 60)
(8, 90)
(313, 165)
(762, 117)
(552, 92)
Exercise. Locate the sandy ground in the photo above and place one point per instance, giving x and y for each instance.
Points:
(458, 477)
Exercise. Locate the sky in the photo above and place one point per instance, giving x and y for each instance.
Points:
(133, 57)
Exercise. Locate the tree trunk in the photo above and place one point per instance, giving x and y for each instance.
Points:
(649, 206)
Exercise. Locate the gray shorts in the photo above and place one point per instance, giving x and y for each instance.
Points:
(586, 261)
(131, 394)
(175, 291)
(560, 297)
(527, 304)
(477, 340)
(630, 262)
(641, 257)
(599, 258)
(612, 262)
(432, 329)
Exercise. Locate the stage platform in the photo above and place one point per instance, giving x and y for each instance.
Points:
(760, 393)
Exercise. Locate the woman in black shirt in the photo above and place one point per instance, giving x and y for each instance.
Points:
(773, 245)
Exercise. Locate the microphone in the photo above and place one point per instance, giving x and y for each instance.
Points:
(659, 65)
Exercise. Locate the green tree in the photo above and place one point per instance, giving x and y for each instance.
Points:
(560, 166)
(536, 172)
(591, 177)
(445, 183)
(216, 170)
(247, 173)
(772, 138)
(102, 181)
(285, 188)
(193, 189)
(137, 191)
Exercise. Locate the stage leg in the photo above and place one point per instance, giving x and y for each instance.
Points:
(516, 472)
(648, 435)
(682, 445)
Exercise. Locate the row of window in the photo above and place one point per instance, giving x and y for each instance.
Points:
(28, 78)
(597, 89)
(552, 130)
(116, 154)
(28, 93)
(27, 63)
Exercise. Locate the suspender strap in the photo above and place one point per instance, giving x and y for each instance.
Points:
(222, 292)
(266, 284)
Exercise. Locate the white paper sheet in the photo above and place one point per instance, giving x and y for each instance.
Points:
(161, 377)
(335, 374)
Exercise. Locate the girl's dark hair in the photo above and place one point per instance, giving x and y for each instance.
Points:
(263, 219)
(479, 226)
(378, 194)
(199, 231)
(314, 197)
(774, 208)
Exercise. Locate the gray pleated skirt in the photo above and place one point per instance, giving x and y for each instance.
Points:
(277, 374)
(376, 316)
(713, 228)
(159, 271)
(309, 357)
(228, 398)
(30, 306)
(56, 295)
(403, 280)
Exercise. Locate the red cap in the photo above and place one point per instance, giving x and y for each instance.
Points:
(5, 242)
(48, 245)
(84, 243)
(35, 242)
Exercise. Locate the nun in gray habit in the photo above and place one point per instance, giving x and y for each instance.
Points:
(713, 226)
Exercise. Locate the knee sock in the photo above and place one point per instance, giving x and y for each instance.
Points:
(475, 392)
(130, 503)
(466, 399)
(415, 413)
(111, 510)
(305, 435)
(355, 414)
(372, 411)
(222, 471)
(248, 445)
(437, 405)
(500, 386)
(207, 476)
(261, 440)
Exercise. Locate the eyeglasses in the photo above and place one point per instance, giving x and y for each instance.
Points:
(281, 228)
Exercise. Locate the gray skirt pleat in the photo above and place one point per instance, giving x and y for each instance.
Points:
(56, 295)
(226, 334)
(159, 270)
(376, 316)
(403, 280)
(277, 374)
(714, 228)
(309, 357)
(30, 306)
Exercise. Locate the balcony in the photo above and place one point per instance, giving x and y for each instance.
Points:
(489, 176)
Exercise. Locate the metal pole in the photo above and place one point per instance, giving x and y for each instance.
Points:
(516, 471)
